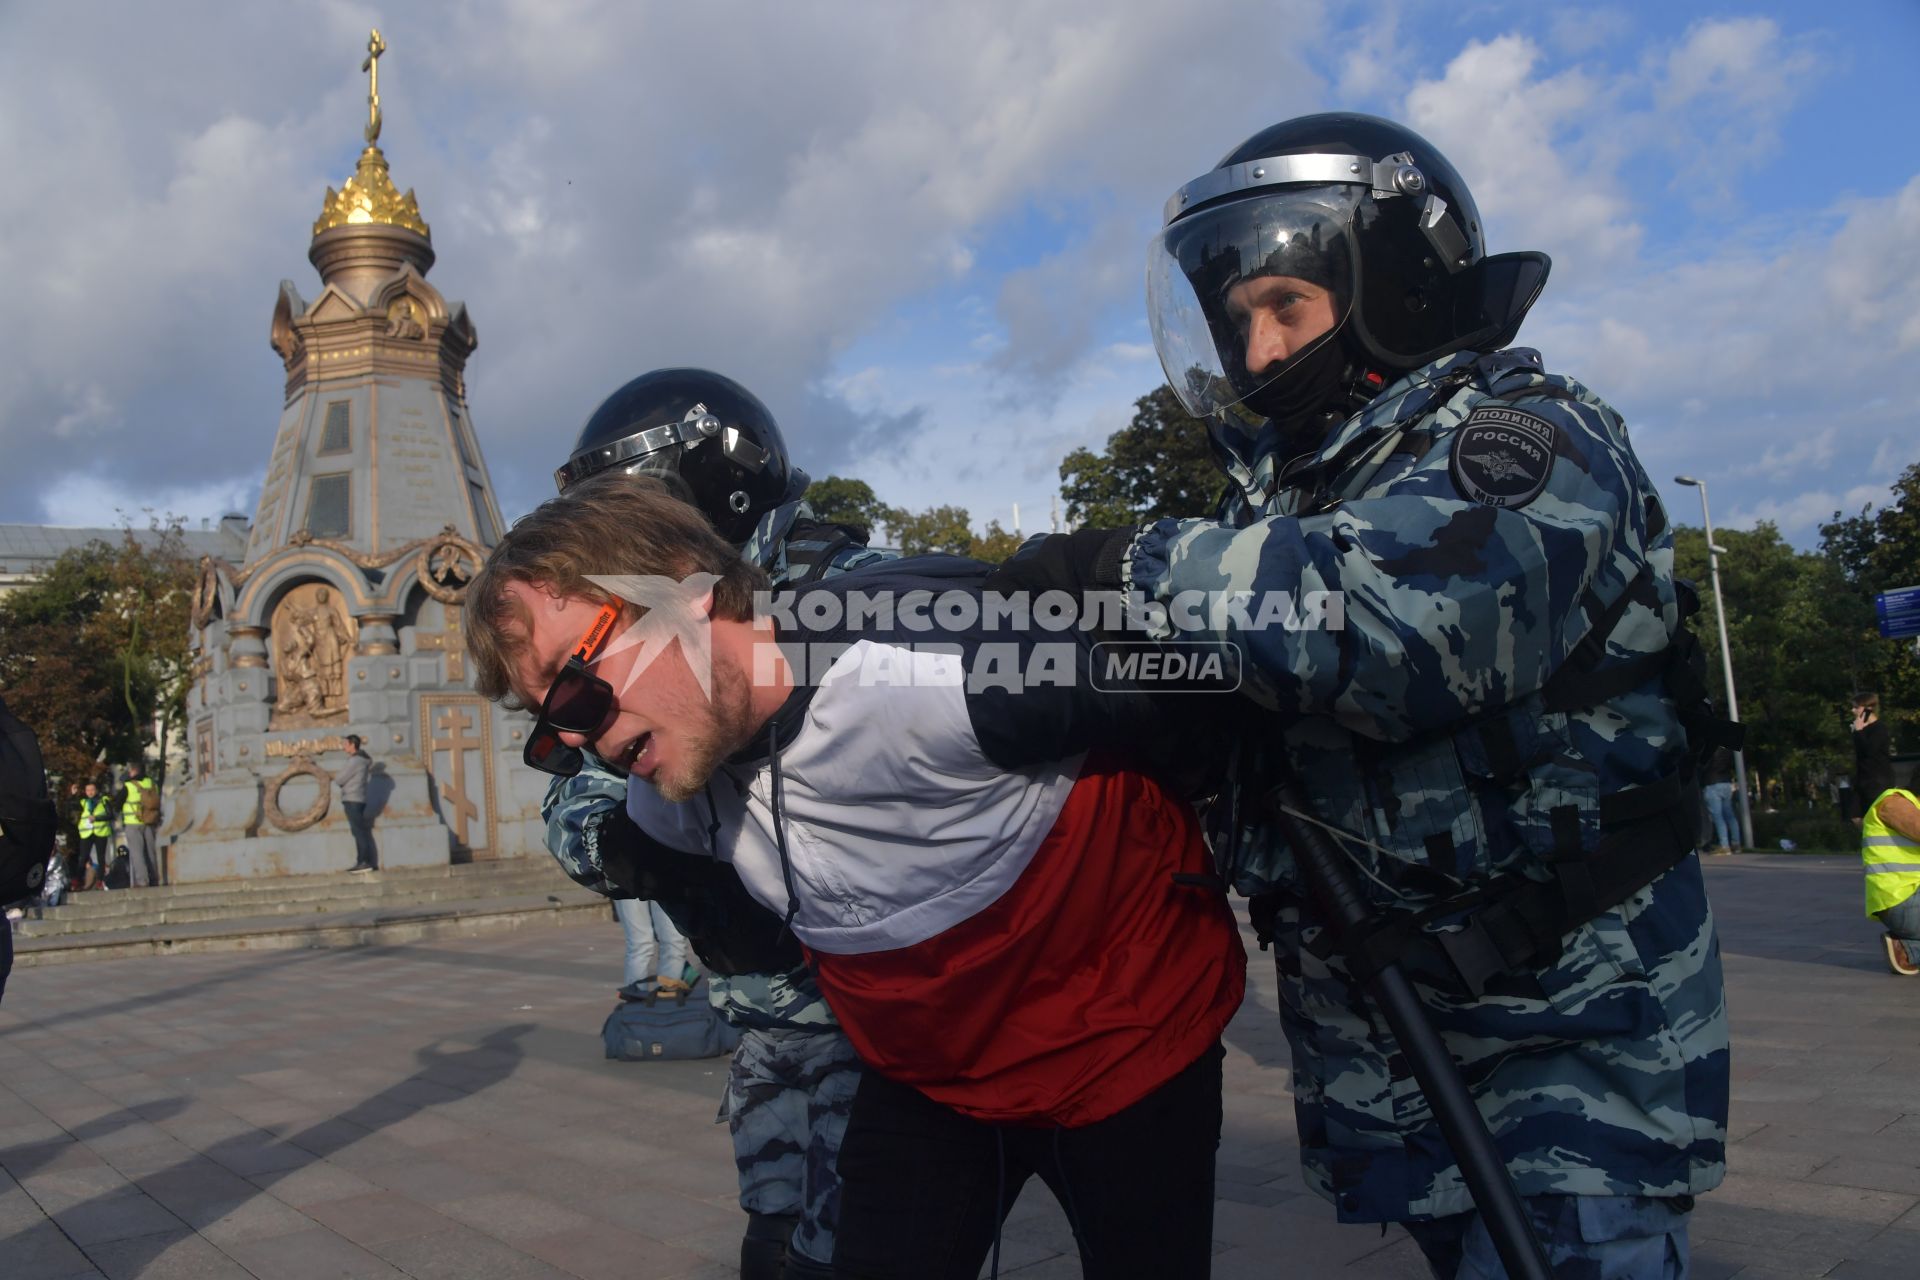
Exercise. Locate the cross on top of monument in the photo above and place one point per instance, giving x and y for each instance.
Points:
(369, 196)
(375, 47)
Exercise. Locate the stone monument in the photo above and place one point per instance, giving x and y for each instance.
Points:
(344, 615)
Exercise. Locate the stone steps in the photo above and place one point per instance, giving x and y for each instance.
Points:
(361, 926)
(335, 909)
(98, 909)
(475, 872)
(135, 914)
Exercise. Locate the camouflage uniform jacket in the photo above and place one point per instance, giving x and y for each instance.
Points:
(1476, 515)
(789, 545)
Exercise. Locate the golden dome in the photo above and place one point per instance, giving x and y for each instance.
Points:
(369, 196)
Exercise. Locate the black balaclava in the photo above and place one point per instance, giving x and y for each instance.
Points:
(1318, 391)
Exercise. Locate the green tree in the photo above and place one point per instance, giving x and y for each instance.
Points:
(1159, 464)
(841, 500)
(996, 545)
(1872, 552)
(1786, 615)
(937, 529)
(95, 652)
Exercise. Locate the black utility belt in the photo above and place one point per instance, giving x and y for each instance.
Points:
(1516, 924)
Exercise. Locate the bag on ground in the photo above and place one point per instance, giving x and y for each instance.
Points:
(661, 1028)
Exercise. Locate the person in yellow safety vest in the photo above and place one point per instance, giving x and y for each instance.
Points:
(1890, 851)
(135, 831)
(96, 835)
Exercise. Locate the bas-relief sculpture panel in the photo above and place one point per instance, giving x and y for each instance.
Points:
(310, 638)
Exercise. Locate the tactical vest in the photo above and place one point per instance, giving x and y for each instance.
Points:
(1507, 840)
(1891, 861)
(130, 807)
(94, 822)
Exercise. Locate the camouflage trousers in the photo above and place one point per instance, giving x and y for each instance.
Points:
(1586, 1238)
(788, 1096)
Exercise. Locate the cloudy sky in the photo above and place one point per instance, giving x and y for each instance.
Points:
(918, 231)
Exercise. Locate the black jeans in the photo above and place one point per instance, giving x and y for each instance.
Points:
(363, 855)
(924, 1188)
(93, 853)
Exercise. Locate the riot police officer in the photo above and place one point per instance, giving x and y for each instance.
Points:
(1495, 735)
(792, 1078)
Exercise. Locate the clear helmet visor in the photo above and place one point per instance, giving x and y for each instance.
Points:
(1239, 295)
(631, 455)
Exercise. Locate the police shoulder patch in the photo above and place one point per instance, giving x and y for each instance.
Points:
(1501, 456)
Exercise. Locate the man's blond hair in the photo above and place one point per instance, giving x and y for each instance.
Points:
(611, 524)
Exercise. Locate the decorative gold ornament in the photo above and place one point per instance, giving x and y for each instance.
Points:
(365, 560)
(407, 320)
(207, 601)
(447, 565)
(369, 196)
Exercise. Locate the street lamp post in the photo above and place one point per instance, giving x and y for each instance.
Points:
(1726, 657)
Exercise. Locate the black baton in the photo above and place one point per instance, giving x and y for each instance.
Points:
(1338, 894)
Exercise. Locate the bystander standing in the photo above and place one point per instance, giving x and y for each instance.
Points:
(95, 828)
(139, 819)
(352, 780)
(1872, 754)
(1718, 793)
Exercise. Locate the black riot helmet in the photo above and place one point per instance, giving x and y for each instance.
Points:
(1363, 219)
(705, 430)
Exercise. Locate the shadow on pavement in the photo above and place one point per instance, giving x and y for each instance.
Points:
(198, 1194)
(146, 1000)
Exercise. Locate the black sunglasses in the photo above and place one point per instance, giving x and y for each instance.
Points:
(577, 702)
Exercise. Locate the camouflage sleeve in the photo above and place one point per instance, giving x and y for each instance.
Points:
(1399, 611)
(856, 557)
(575, 809)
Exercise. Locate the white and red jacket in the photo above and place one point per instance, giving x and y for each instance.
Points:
(1004, 908)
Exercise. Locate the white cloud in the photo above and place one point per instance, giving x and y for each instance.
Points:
(1790, 458)
(1375, 61)
(1580, 31)
(612, 187)
(1731, 81)
(89, 502)
(1755, 360)
(1052, 312)
(1804, 511)
(615, 187)
(1523, 140)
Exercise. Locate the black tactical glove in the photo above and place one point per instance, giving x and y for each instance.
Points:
(725, 926)
(1081, 561)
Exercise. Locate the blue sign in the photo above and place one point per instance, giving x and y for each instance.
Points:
(1898, 612)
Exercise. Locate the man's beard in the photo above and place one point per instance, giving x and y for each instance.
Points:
(723, 730)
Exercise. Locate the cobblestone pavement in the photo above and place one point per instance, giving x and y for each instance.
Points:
(443, 1110)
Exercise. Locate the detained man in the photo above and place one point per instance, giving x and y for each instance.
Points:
(1007, 905)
